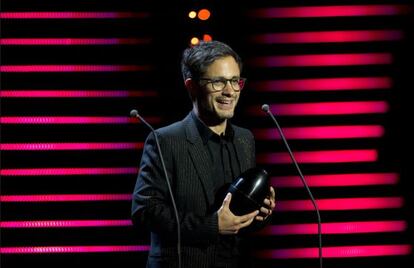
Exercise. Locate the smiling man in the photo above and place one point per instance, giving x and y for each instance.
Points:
(203, 154)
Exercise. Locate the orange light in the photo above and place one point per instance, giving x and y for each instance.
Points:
(192, 14)
(207, 38)
(204, 14)
(194, 41)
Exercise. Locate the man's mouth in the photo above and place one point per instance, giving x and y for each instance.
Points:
(225, 103)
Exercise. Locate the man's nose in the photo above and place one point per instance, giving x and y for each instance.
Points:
(228, 89)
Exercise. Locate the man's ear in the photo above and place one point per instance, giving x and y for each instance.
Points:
(191, 87)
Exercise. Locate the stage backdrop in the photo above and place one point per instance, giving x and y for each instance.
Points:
(335, 73)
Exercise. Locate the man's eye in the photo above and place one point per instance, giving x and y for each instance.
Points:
(218, 81)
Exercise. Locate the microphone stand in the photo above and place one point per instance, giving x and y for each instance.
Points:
(134, 113)
(266, 109)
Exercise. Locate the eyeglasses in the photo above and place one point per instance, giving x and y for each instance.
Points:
(219, 84)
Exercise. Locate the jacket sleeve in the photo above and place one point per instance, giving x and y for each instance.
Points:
(151, 203)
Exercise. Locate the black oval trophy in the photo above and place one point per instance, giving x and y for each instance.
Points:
(248, 191)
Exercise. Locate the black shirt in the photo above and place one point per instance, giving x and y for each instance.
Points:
(226, 167)
(222, 154)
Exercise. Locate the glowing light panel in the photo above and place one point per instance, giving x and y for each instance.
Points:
(68, 171)
(324, 108)
(72, 68)
(321, 132)
(328, 37)
(70, 146)
(337, 180)
(327, 156)
(323, 84)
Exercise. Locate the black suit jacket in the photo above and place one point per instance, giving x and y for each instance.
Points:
(189, 170)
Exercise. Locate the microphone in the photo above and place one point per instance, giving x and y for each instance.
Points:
(134, 113)
(266, 109)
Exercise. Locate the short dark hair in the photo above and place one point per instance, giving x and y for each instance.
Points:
(196, 59)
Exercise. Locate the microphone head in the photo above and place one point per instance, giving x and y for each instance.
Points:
(265, 108)
(133, 113)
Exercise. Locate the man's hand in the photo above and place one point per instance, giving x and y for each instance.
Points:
(228, 222)
(269, 205)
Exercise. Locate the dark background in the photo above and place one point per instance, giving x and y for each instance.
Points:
(170, 30)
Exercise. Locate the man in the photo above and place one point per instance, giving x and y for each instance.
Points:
(203, 154)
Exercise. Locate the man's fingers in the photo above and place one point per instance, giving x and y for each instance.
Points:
(272, 192)
(247, 223)
(259, 218)
(269, 203)
(248, 217)
(227, 200)
(265, 211)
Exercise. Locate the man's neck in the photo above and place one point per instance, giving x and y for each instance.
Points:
(218, 127)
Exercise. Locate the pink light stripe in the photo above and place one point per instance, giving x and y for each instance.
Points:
(65, 198)
(68, 171)
(322, 84)
(344, 59)
(320, 157)
(73, 68)
(329, 11)
(71, 249)
(65, 223)
(324, 108)
(73, 15)
(74, 120)
(354, 227)
(336, 252)
(327, 37)
(70, 146)
(322, 132)
(354, 203)
(337, 180)
(76, 93)
(72, 41)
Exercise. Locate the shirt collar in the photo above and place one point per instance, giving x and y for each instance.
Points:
(206, 133)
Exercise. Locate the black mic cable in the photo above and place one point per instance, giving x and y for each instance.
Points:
(266, 109)
(134, 113)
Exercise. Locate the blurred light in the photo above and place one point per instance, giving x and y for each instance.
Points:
(74, 119)
(66, 198)
(333, 204)
(71, 249)
(336, 252)
(64, 223)
(192, 14)
(323, 84)
(327, 37)
(324, 108)
(194, 41)
(69, 171)
(352, 227)
(345, 59)
(207, 38)
(322, 132)
(337, 180)
(73, 41)
(73, 15)
(321, 157)
(204, 14)
(73, 68)
(71, 146)
(329, 11)
(76, 93)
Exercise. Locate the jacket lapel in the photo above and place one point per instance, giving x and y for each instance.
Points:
(242, 149)
(200, 158)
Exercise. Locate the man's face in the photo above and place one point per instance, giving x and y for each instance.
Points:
(218, 105)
